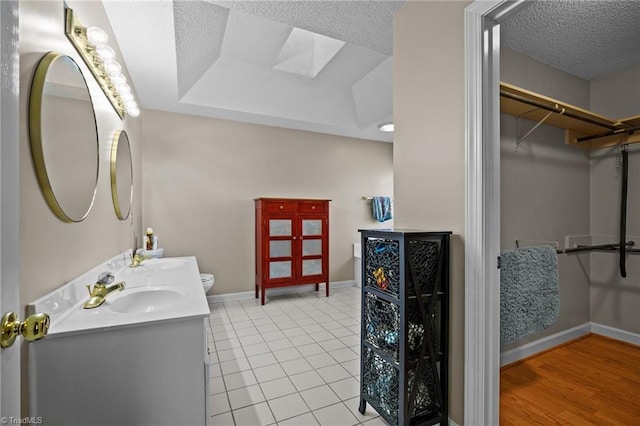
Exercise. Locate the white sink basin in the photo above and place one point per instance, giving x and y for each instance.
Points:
(145, 299)
(167, 263)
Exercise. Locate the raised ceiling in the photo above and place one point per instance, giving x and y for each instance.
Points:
(327, 66)
(323, 66)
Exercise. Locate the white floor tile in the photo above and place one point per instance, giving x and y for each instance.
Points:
(346, 388)
(251, 340)
(288, 406)
(234, 365)
(244, 397)
(341, 332)
(310, 349)
(319, 397)
(296, 366)
(267, 328)
(216, 386)
(277, 345)
(262, 360)
(335, 415)
(321, 360)
(270, 372)
(214, 370)
(332, 345)
(249, 331)
(255, 415)
(225, 419)
(342, 355)
(322, 336)
(227, 344)
(303, 420)
(242, 324)
(306, 380)
(219, 404)
(257, 349)
(277, 388)
(273, 335)
(301, 340)
(353, 366)
(294, 361)
(333, 373)
(292, 329)
(287, 354)
(230, 354)
(352, 340)
(239, 380)
(313, 328)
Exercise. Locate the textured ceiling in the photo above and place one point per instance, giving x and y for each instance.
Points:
(323, 66)
(585, 38)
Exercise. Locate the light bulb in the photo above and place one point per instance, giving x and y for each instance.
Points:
(105, 53)
(112, 67)
(124, 89)
(118, 80)
(96, 36)
(126, 97)
(134, 112)
(386, 127)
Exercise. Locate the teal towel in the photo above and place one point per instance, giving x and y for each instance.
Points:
(381, 207)
(529, 291)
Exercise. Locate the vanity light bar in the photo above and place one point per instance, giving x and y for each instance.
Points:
(91, 44)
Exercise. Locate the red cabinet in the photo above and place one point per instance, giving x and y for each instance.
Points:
(292, 243)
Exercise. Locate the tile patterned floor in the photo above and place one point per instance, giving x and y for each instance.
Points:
(294, 361)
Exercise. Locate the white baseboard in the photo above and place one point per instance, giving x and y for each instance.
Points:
(615, 333)
(228, 297)
(532, 348)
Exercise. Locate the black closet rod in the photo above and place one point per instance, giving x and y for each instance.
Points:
(629, 131)
(596, 247)
(627, 251)
(556, 110)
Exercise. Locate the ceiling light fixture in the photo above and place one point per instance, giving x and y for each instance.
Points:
(91, 44)
(386, 127)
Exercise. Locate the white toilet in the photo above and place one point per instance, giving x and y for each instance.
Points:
(207, 281)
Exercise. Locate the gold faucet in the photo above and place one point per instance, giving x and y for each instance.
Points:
(101, 290)
(138, 259)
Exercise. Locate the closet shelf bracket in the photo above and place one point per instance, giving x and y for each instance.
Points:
(519, 141)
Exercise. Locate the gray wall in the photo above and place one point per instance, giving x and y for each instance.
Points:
(545, 185)
(428, 150)
(201, 176)
(615, 300)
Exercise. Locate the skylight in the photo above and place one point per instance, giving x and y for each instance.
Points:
(307, 53)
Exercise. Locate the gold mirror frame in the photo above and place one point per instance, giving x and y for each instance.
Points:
(115, 145)
(36, 98)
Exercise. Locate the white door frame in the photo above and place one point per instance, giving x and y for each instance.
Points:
(482, 211)
(9, 202)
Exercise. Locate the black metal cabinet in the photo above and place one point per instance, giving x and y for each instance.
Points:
(404, 336)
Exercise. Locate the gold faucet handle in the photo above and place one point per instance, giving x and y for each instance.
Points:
(89, 290)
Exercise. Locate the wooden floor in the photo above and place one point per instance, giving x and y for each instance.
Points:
(590, 381)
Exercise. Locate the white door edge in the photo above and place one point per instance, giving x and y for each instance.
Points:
(9, 203)
(482, 211)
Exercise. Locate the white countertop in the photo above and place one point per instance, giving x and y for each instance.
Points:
(177, 278)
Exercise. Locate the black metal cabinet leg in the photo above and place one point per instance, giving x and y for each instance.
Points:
(363, 406)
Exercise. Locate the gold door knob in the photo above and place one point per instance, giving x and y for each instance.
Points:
(35, 327)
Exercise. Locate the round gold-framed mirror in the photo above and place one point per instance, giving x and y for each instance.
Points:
(64, 137)
(121, 174)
